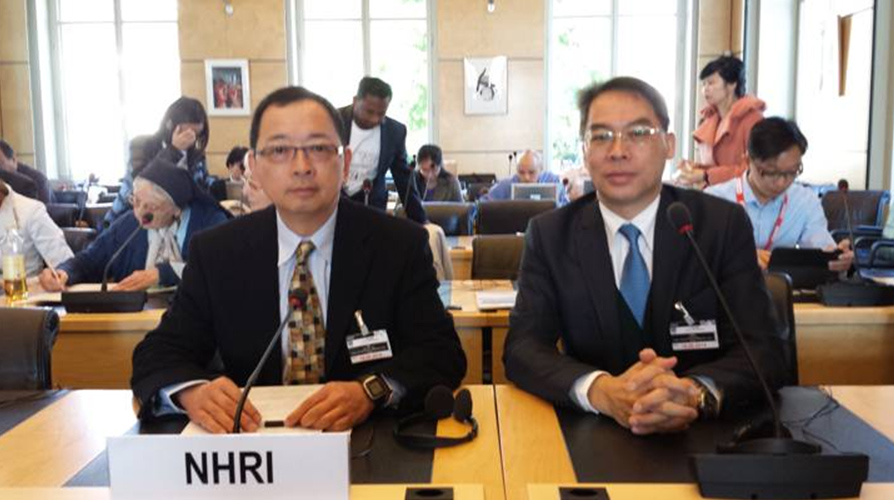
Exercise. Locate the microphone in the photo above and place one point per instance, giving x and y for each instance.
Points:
(751, 468)
(104, 300)
(367, 187)
(410, 182)
(296, 299)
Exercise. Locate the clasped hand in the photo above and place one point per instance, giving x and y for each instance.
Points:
(648, 398)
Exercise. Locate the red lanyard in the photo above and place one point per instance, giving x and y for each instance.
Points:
(740, 199)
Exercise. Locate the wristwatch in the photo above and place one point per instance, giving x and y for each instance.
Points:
(708, 405)
(376, 389)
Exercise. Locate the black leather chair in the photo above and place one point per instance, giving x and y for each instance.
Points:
(455, 218)
(64, 214)
(78, 237)
(94, 215)
(780, 287)
(497, 256)
(25, 348)
(78, 198)
(866, 208)
(509, 216)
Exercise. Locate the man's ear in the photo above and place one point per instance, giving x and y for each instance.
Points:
(348, 154)
(671, 144)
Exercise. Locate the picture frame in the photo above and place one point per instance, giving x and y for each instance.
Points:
(485, 85)
(227, 87)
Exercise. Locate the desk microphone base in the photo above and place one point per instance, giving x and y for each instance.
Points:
(794, 476)
(103, 302)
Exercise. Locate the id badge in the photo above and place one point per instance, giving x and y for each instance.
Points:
(369, 347)
(696, 337)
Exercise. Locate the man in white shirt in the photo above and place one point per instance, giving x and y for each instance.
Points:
(379, 144)
(613, 280)
(44, 241)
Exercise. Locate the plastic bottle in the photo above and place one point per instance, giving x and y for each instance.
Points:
(12, 249)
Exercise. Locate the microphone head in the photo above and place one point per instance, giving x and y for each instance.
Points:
(680, 218)
(565, 181)
(439, 402)
(297, 298)
(147, 218)
(462, 407)
(367, 185)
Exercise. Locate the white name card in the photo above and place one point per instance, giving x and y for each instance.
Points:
(280, 466)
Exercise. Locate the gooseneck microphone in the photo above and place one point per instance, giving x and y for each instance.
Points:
(297, 298)
(411, 180)
(147, 219)
(767, 467)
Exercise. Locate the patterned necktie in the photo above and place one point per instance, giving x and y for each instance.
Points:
(307, 335)
(635, 277)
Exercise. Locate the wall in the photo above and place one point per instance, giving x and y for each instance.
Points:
(255, 31)
(720, 25)
(16, 125)
(517, 30)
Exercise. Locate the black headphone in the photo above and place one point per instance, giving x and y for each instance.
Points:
(439, 404)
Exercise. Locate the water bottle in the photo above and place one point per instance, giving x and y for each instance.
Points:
(13, 251)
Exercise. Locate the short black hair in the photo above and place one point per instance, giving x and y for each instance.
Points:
(773, 136)
(7, 149)
(621, 84)
(731, 70)
(237, 154)
(433, 152)
(284, 97)
(370, 85)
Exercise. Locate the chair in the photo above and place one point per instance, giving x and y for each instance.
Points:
(475, 190)
(455, 218)
(63, 214)
(78, 237)
(467, 179)
(94, 215)
(25, 348)
(78, 198)
(509, 216)
(780, 287)
(866, 208)
(497, 256)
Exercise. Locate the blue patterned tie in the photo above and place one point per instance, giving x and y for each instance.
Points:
(635, 277)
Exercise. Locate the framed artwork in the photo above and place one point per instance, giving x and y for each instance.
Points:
(485, 85)
(227, 87)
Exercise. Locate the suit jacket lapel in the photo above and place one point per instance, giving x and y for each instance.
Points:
(596, 262)
(385, 153)
(351, 259)
(666, 264)
(262, 254)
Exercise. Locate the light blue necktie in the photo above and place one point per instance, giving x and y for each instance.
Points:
(635, 277)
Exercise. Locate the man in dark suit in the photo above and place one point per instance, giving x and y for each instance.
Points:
(316, 259)
(379, 144)
(25, 180)
(609, 277)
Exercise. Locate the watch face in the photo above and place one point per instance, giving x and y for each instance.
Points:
(375, 388)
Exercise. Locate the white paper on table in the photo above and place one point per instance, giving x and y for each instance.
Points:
(274, 403)
(488, 300)
(56, 297)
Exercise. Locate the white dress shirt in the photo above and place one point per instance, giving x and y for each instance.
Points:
(44, 241)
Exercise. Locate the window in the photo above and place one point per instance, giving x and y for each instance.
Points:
(117, 68)
(594, 40)
(340, 41)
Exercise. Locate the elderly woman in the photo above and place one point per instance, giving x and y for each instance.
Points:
(727, 120)
(170, 209)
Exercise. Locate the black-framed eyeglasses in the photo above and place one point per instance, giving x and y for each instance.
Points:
(637, 135)
(775, 175)
(316, 154)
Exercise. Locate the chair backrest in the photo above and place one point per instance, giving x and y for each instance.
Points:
(866, 208)
(63, 214)
(497, 256)
(455, 218)
(780, 287)
(509, 216)
(78, 198)
(25, 347)
(95, 215)
(466, 179)
(78, 237)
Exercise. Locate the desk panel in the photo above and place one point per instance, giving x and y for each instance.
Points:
(876, 491)
(363, 492)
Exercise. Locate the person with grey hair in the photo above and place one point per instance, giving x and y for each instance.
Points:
(44, 241)
(171, 209)
(528, 170)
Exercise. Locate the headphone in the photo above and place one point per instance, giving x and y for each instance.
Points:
(439, 404)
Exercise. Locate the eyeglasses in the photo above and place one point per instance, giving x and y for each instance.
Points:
(139, 203)
(775, 175)
(637, 135)
(316, 154)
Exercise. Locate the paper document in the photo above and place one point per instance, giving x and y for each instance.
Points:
(489, 300)
(274, 403)
(56, 297)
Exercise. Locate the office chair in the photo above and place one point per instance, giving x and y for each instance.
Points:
(866, 208)
(509, 216)
(78, 237)
(25, 347)
(455, 218)
(780, 287)
(497, 256)
(63, 214)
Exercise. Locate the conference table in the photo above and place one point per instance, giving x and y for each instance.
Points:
(461, 256)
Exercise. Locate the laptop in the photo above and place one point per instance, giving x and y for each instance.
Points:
(536, 191)
(807, 267)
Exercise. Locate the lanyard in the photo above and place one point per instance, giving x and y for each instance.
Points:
(740, 199)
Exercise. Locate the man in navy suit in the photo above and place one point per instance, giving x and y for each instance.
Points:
(609, 277)
(243, 277)
(379, 144)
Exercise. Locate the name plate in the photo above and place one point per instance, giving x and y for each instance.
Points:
(279, 466)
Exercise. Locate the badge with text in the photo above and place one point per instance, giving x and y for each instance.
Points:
(368, 345)
(696, 337)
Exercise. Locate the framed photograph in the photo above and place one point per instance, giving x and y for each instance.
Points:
(485, 85)
(227, 87)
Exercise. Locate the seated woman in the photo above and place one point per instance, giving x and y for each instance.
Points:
(433, 182)
(44, 241)
(171, 209)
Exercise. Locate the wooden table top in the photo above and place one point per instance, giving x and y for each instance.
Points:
(358, 492)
